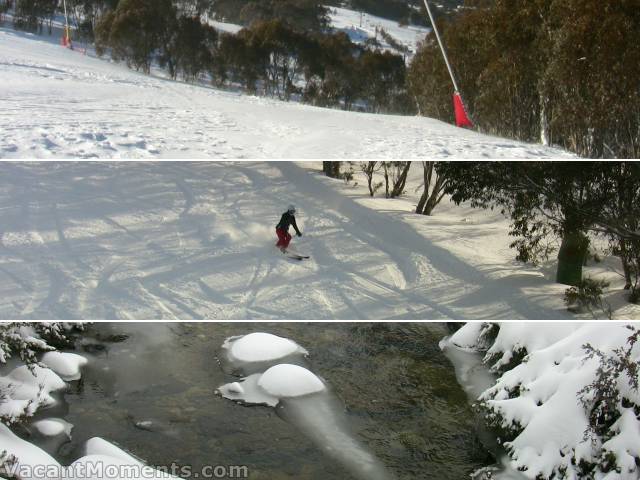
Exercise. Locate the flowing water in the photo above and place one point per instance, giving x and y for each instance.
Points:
(150, 388)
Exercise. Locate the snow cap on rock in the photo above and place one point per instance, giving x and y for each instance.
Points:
(261, 347)
(290, 381)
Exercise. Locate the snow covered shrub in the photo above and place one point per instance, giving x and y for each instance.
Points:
(587, 297)
(28, 387)
(602, 398)
(570, 409)
(612, 404)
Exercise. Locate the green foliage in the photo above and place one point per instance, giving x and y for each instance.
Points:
(565, 70)
(587, 296)
(602, 398)
(305, 15)
(136, 30)
(552, 200)
(31, 14)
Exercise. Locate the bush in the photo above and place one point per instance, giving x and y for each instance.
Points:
(602, 398)
(587, 297)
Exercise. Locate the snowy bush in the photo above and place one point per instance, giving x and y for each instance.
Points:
(587, 297)
(28, 386)
(566, 404)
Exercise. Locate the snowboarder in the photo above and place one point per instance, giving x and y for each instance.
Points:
(282, 229)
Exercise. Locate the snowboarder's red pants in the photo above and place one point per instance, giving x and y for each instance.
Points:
(283, 238)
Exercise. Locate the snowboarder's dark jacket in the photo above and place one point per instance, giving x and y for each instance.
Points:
(288, 219)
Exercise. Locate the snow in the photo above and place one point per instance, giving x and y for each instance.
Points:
(52, 427)
(67, 365)
(195, 240)
(290, 381)
(538, 398)
(305, 401)
(362, 28)
(261, 347)
(59, 103)
(24, 453)
(26, 390)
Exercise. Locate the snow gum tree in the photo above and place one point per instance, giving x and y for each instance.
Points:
(434, 185)
(564, 72)
(562, 199)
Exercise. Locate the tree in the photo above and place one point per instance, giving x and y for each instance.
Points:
(562, 72)
(395, 177)
(137, 29)
(191, 49)
(370, 169)
(331, 169)
(542, 198)
(434, 186)
(31, 14)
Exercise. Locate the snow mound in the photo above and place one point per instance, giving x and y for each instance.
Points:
(27, 390)
(290, 381)
(282, 381)
(24, 453)
(261, 347)
(67, 365)
(52, 427)
(537, 398)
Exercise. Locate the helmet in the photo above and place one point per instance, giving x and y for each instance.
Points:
(291, 209)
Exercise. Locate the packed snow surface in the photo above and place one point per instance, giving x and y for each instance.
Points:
(59, 103)
(67, 365)
(261, 347)
(175, 240)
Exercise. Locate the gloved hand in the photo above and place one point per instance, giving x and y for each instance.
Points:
(299, 234)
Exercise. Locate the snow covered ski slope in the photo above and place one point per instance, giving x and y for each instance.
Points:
(186, 240)
(58, 103)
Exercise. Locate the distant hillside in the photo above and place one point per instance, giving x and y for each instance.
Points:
(405, 11)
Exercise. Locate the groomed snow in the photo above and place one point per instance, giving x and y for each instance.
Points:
(196, 240)
(290, 381)
(67, 365)
(261, 347)
(59, 103)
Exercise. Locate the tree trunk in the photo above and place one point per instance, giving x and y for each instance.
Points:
(331, 169)
(398, 188)
(573, 251)
(626, 268)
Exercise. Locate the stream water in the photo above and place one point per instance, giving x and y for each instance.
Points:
(150, 388)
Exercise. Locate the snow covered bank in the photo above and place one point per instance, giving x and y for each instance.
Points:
(101, 460)
(566, 401)
(28, 389)
(59, 103)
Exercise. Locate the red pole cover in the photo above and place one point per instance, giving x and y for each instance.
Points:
(462, 119)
